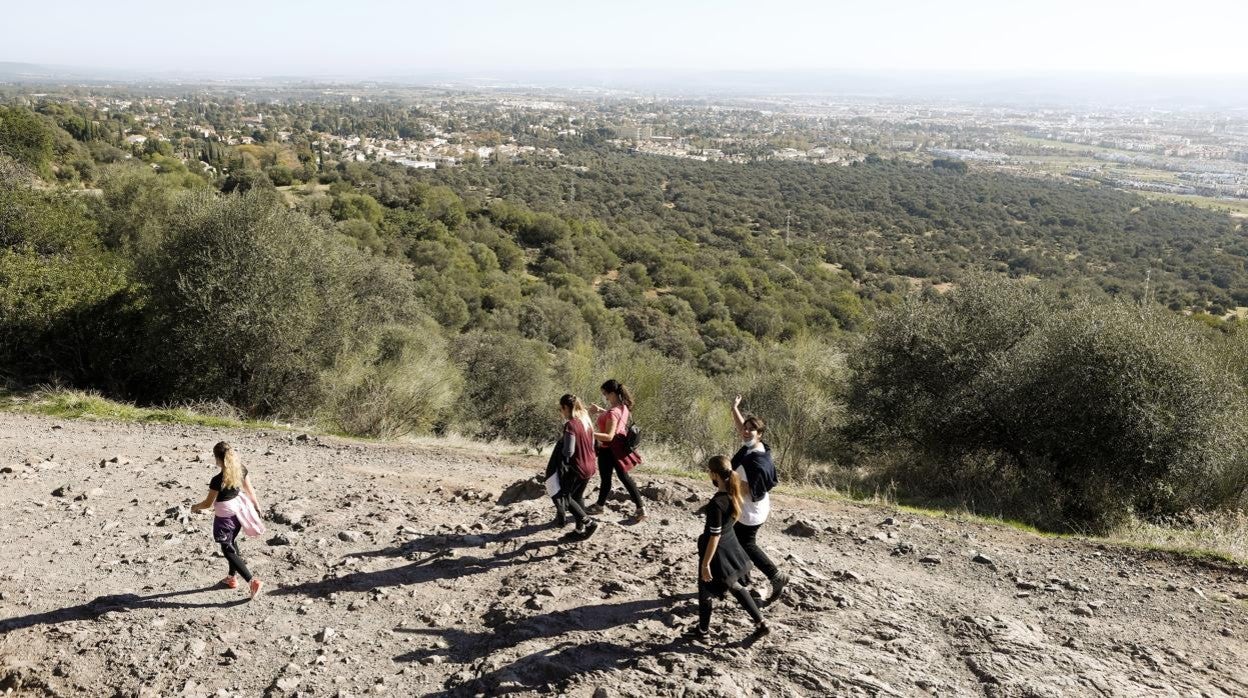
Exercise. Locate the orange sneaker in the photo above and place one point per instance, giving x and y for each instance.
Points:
(230, 582)
(255, 587)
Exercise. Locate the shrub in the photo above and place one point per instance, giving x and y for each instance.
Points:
(1112, 407)
(397, 382)
(799, 389)
(508, 391)
(27, 137)
(249, 303)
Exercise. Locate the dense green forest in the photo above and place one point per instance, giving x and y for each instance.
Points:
(383, 301)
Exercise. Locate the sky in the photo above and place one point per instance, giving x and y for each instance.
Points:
(380, 38)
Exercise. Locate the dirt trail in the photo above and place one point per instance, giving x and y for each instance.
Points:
(401, 575)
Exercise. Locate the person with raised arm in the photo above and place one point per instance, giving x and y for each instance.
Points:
(753, 465)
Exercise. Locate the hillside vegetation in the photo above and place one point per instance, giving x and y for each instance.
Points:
(1051, 384)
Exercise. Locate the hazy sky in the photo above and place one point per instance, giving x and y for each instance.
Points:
(379, 37)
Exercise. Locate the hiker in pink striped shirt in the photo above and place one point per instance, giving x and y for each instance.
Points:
(237, 509)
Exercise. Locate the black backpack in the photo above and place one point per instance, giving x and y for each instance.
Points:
(632, 436)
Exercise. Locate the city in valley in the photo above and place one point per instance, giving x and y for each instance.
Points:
(1197, 155)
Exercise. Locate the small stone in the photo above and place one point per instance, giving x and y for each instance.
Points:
(350, 536)
(658, 493)
(930, 559)
(890, 521)
(1082, 611)
(982, 559)
(801, 529)
(903, 548)
(1029, 586)
(615, 587)
(325, 635)
(62, 491)
(284, 539)
(357, 605)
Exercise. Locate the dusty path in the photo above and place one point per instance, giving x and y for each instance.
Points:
(404, 577)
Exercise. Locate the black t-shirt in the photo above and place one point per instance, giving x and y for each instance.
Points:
(224, 495)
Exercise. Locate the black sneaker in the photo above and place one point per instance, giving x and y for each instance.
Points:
(589, 529)
(777, 586)
(762, 629)
(695, 633)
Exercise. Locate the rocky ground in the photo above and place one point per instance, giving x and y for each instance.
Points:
(396, 569)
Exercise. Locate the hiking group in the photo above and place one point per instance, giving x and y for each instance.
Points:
(594, 440)
(728, 546)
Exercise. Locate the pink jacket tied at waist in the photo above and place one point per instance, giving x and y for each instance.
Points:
(245, 509)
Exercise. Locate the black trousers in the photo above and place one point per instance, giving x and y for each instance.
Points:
(572, 498)
(607, 464)
(747, 535)
(707, 591)
(230, 550)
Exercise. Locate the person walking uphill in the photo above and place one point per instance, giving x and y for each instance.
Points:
(752, 463)
(614, 454)
(237, 509)
(721, 561)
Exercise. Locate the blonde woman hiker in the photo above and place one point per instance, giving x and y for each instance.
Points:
(234, 502)
(721, 561)
(579, 463)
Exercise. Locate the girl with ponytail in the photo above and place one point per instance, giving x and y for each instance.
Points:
(721, 560)
(575, 462)
(237, 509)
(614, 454)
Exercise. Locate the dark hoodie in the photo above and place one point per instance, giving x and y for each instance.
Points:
(760, 470)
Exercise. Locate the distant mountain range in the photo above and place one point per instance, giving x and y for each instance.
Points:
(1065, 89)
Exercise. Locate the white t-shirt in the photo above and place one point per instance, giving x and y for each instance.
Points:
(753, 513)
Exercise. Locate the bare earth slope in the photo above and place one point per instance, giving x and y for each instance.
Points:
(404, 576)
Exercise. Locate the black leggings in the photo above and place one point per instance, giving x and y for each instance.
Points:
(230, 550)
(707, 591)
(746, 536)
(608, 464)
(572, 497)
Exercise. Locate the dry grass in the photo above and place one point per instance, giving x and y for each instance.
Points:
(1218, 535)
